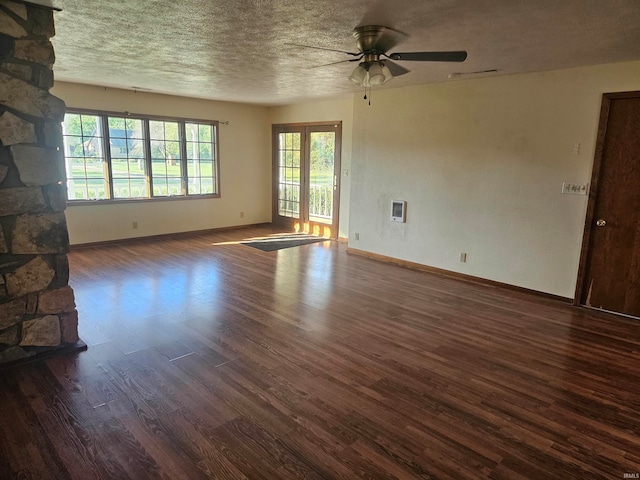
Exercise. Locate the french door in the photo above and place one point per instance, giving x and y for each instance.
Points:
(306, 177)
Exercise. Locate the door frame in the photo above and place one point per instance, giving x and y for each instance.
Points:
(304, 162)
(598, 160)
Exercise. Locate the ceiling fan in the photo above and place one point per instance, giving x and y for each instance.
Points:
(375, 63)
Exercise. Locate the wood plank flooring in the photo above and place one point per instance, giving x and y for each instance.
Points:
(210, 359)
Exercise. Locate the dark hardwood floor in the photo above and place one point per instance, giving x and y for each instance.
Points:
(209, 359)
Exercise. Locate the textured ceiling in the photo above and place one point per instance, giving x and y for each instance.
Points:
(237, 50)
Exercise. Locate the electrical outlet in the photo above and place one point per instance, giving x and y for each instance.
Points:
(463, 257)
(241, 214)
(134, 225)
(357, 236)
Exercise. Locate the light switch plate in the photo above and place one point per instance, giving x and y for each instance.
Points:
(575, 188)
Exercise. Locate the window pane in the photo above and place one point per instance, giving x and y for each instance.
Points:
(207, 186)
(166, 173)
(84, 157)
(74, 145)
(191, 130)
(206, 133)
(200, 168)
(128, 166)
(166, 187)
(125, 128)
(129, 178)
(201, 164)
(160, 130)
(205, 151)
(166, 170)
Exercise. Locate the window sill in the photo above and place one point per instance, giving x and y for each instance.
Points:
(75, 203)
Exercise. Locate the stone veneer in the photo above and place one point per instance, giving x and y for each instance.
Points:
(37, 307)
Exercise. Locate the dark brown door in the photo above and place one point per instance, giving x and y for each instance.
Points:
(612, 257)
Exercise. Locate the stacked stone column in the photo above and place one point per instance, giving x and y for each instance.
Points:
(37, 307)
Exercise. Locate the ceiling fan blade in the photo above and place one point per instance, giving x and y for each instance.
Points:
(456, 56)
(322, 48)
(341, 61)
(395, 69)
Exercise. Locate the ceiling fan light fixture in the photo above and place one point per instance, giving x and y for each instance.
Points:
(376, 75)
(359, 75)
(387, 74)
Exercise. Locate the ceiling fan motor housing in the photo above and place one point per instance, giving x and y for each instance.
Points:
(376, 39)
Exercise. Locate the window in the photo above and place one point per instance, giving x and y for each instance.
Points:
(128, 166)
(166, 170)
(201, 171)
(85, 157)
(119, 157)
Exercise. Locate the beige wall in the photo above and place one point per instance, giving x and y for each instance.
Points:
(245, 169)
(329, 110)
(481, 164)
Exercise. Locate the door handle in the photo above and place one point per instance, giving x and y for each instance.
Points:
(601, 222)
(335, 182)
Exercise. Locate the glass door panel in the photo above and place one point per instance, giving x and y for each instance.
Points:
(288, 150)
(322, 148)
(322, 186)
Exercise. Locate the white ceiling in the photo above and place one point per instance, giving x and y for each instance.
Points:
(237, 50)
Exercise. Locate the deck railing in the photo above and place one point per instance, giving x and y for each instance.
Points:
(320, 201)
